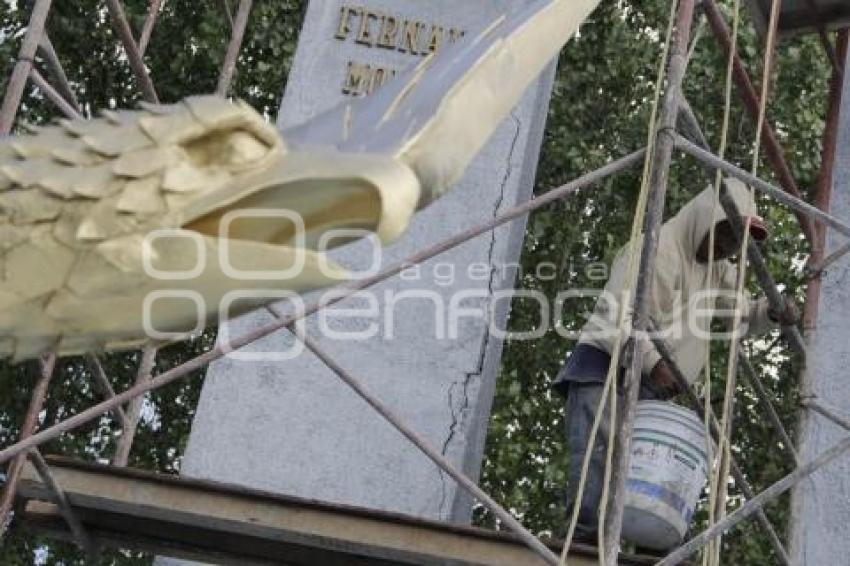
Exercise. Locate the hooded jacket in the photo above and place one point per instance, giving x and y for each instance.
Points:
(682, 299)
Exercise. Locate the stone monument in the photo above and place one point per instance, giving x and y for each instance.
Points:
(427, 342)
(821, 507)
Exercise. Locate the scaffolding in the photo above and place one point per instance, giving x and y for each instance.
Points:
(63, 484)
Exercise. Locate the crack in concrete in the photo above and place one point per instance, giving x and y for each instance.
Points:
(459, 413)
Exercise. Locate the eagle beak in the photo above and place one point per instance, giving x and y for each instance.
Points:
(318, 200)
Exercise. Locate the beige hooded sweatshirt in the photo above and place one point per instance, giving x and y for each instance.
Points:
(682, 298)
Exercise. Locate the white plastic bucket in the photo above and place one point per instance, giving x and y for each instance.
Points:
(667, 473)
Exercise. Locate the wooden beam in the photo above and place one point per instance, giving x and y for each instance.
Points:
(18, 80)
(802, 16)
(207, 520)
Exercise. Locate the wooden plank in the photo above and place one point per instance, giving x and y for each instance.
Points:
(797, 17)
(205, 520)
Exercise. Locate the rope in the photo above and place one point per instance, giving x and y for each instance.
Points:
(610, 386)
(721, 494)
(724, 139)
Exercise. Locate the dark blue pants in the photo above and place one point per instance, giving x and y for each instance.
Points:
(582, 381)
(582, 401)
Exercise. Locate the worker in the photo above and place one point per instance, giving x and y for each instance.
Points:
(679, 282)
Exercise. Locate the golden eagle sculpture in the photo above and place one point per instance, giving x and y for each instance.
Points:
(100, 217)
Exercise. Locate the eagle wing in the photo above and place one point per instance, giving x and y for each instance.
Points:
(438, 114)
(68, 187)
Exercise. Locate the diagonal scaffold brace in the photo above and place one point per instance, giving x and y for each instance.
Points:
(340, 293)
(661, 161)
(755, 504)
(690, 127)
(46, 368)
(21, 71)
(737, 474)
(762, 186)
(435, 456)
(65, 508)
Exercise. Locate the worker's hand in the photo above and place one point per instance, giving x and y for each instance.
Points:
(788, 317)
(663, 382)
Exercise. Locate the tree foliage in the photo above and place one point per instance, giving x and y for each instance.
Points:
(599, 111)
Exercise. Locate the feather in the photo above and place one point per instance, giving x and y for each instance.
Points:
(174, 128)
(73, 152)
(438, 115)
(103, 221)
(57, 181)
(65, 227)
(29, 207)
(184, 177)
(158, 109)
(95, 182)
(145, 162)
(142, 196)
(216, 113)
(41, 144)
(26, 172)
(117, 140)
(45, 261)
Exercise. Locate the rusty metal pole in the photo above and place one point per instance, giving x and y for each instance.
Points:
(18, 80)
(339, 292)
(773, 150)
(53, 95)
(229, 65)
(134, 409)
(150, 21)
(764, 400)
(104, 387)
(417, 440)
(823, 192)
(832, 53)
(758, 502)
(664, 351)
(664, 146)
(828, 414)
(816, 269)
(13, 472)
(57, 72)
(134, 56)
(81, 537)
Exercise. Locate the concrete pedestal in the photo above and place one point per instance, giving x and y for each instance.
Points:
(821, 505)
(428, 349)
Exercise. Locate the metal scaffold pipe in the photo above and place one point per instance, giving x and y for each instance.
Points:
(233, 48)
(340, 292)
(20, 73)
(689, 124)
(662, 159)
(741, 481)
(46, 367)
(762, 186)
(755, 504)
(134, 55)
(434, 455)
(750, 97)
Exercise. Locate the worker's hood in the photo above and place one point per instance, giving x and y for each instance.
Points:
(693, 222)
